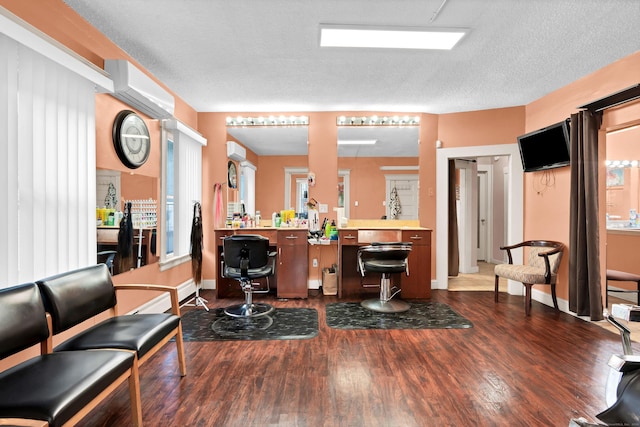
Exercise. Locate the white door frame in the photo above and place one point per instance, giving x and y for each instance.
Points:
(468, 216)
(487, 172)
(514, 217)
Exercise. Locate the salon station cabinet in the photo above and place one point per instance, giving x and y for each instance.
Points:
(292, 262)
(416, 285)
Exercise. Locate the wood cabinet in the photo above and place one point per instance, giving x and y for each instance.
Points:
(415, 286)
(293, 263)
(418, 283)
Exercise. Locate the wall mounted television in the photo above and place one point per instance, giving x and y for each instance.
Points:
(545, 148)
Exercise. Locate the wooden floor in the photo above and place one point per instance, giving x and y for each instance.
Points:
(508, 370)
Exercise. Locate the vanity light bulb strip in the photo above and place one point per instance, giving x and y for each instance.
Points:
(622, 163)
(378, 121)
(268, 121)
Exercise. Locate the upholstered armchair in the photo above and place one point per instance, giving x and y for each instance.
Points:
(541, 268)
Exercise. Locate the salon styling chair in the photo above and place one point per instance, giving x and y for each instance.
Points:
(246, 258)
(386, 259)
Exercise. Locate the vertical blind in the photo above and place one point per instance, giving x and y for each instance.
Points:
(188, 182)
(47, 159)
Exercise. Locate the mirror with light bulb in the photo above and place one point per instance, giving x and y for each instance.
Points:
(378, 167)
(623, 178)
(279, 156)
(272, 173)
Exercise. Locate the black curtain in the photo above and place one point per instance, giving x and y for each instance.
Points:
(585, 295)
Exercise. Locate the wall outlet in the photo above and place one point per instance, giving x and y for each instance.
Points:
(315, 262)
(323, 208)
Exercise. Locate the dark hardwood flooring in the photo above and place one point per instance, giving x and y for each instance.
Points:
(508, 370)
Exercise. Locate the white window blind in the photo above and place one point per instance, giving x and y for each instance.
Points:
(47, 155)
(187, 161)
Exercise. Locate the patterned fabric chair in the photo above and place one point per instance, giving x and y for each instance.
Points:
(541, 268)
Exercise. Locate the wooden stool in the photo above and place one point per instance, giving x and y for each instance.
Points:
(621, 276)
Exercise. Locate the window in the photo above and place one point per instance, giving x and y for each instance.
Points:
(181, 188)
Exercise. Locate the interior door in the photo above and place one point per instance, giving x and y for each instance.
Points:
(402, 190)
(482, 216)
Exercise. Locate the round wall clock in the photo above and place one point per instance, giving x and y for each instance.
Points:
(131, 139)
(232, 174)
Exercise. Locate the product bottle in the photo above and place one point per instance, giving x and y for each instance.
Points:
(278, 220)
(327, 230)
(257, 219)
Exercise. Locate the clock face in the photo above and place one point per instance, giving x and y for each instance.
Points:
(233, 175)
(131, 139)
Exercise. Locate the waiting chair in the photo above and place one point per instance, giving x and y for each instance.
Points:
(541, 268)
(246, 257)
(385, 258)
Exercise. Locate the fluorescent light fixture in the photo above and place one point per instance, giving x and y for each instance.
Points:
(389, 37)
(357, 141)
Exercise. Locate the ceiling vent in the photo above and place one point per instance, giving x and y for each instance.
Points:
(138, 90)
(236, 151)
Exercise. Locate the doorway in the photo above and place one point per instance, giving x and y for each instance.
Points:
(514, 201)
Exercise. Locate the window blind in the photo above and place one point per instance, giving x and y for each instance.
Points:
(47, 158)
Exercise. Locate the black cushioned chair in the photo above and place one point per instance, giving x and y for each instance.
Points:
(56, 388)
(78, 295)
(247, 258)
(385, 258)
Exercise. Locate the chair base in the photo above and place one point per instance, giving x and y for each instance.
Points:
(248, 310)
(391, 306)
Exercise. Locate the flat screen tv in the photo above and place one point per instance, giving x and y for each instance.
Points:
(545, 148)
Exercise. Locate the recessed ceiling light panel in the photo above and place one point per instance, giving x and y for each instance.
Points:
(389, 37)
(357, 141)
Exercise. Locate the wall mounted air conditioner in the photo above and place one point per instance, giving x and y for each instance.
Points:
(138, 90)
(236, 151)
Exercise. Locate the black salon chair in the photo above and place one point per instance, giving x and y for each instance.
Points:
(385, 258)
(246, 257)
(107, 257)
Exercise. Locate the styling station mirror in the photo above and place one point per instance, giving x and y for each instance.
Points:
(378, 168)
(623, 179)
(277, 153)
(113, 190)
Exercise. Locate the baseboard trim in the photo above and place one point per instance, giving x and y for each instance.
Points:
(162, 303)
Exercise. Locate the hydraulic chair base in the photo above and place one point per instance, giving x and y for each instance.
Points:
(385, 304)
(392, 306)
(248, 310)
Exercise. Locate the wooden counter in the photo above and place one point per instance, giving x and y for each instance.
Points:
(415, 286)
(292, 262)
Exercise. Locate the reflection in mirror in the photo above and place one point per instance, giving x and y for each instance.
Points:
(382, 166)
(623, 179)
(275, 150)
(113, 190)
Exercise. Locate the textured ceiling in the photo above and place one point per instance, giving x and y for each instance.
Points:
(264, 56)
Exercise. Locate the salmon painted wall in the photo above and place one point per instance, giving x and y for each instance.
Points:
(486, 127)
(547, 198)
